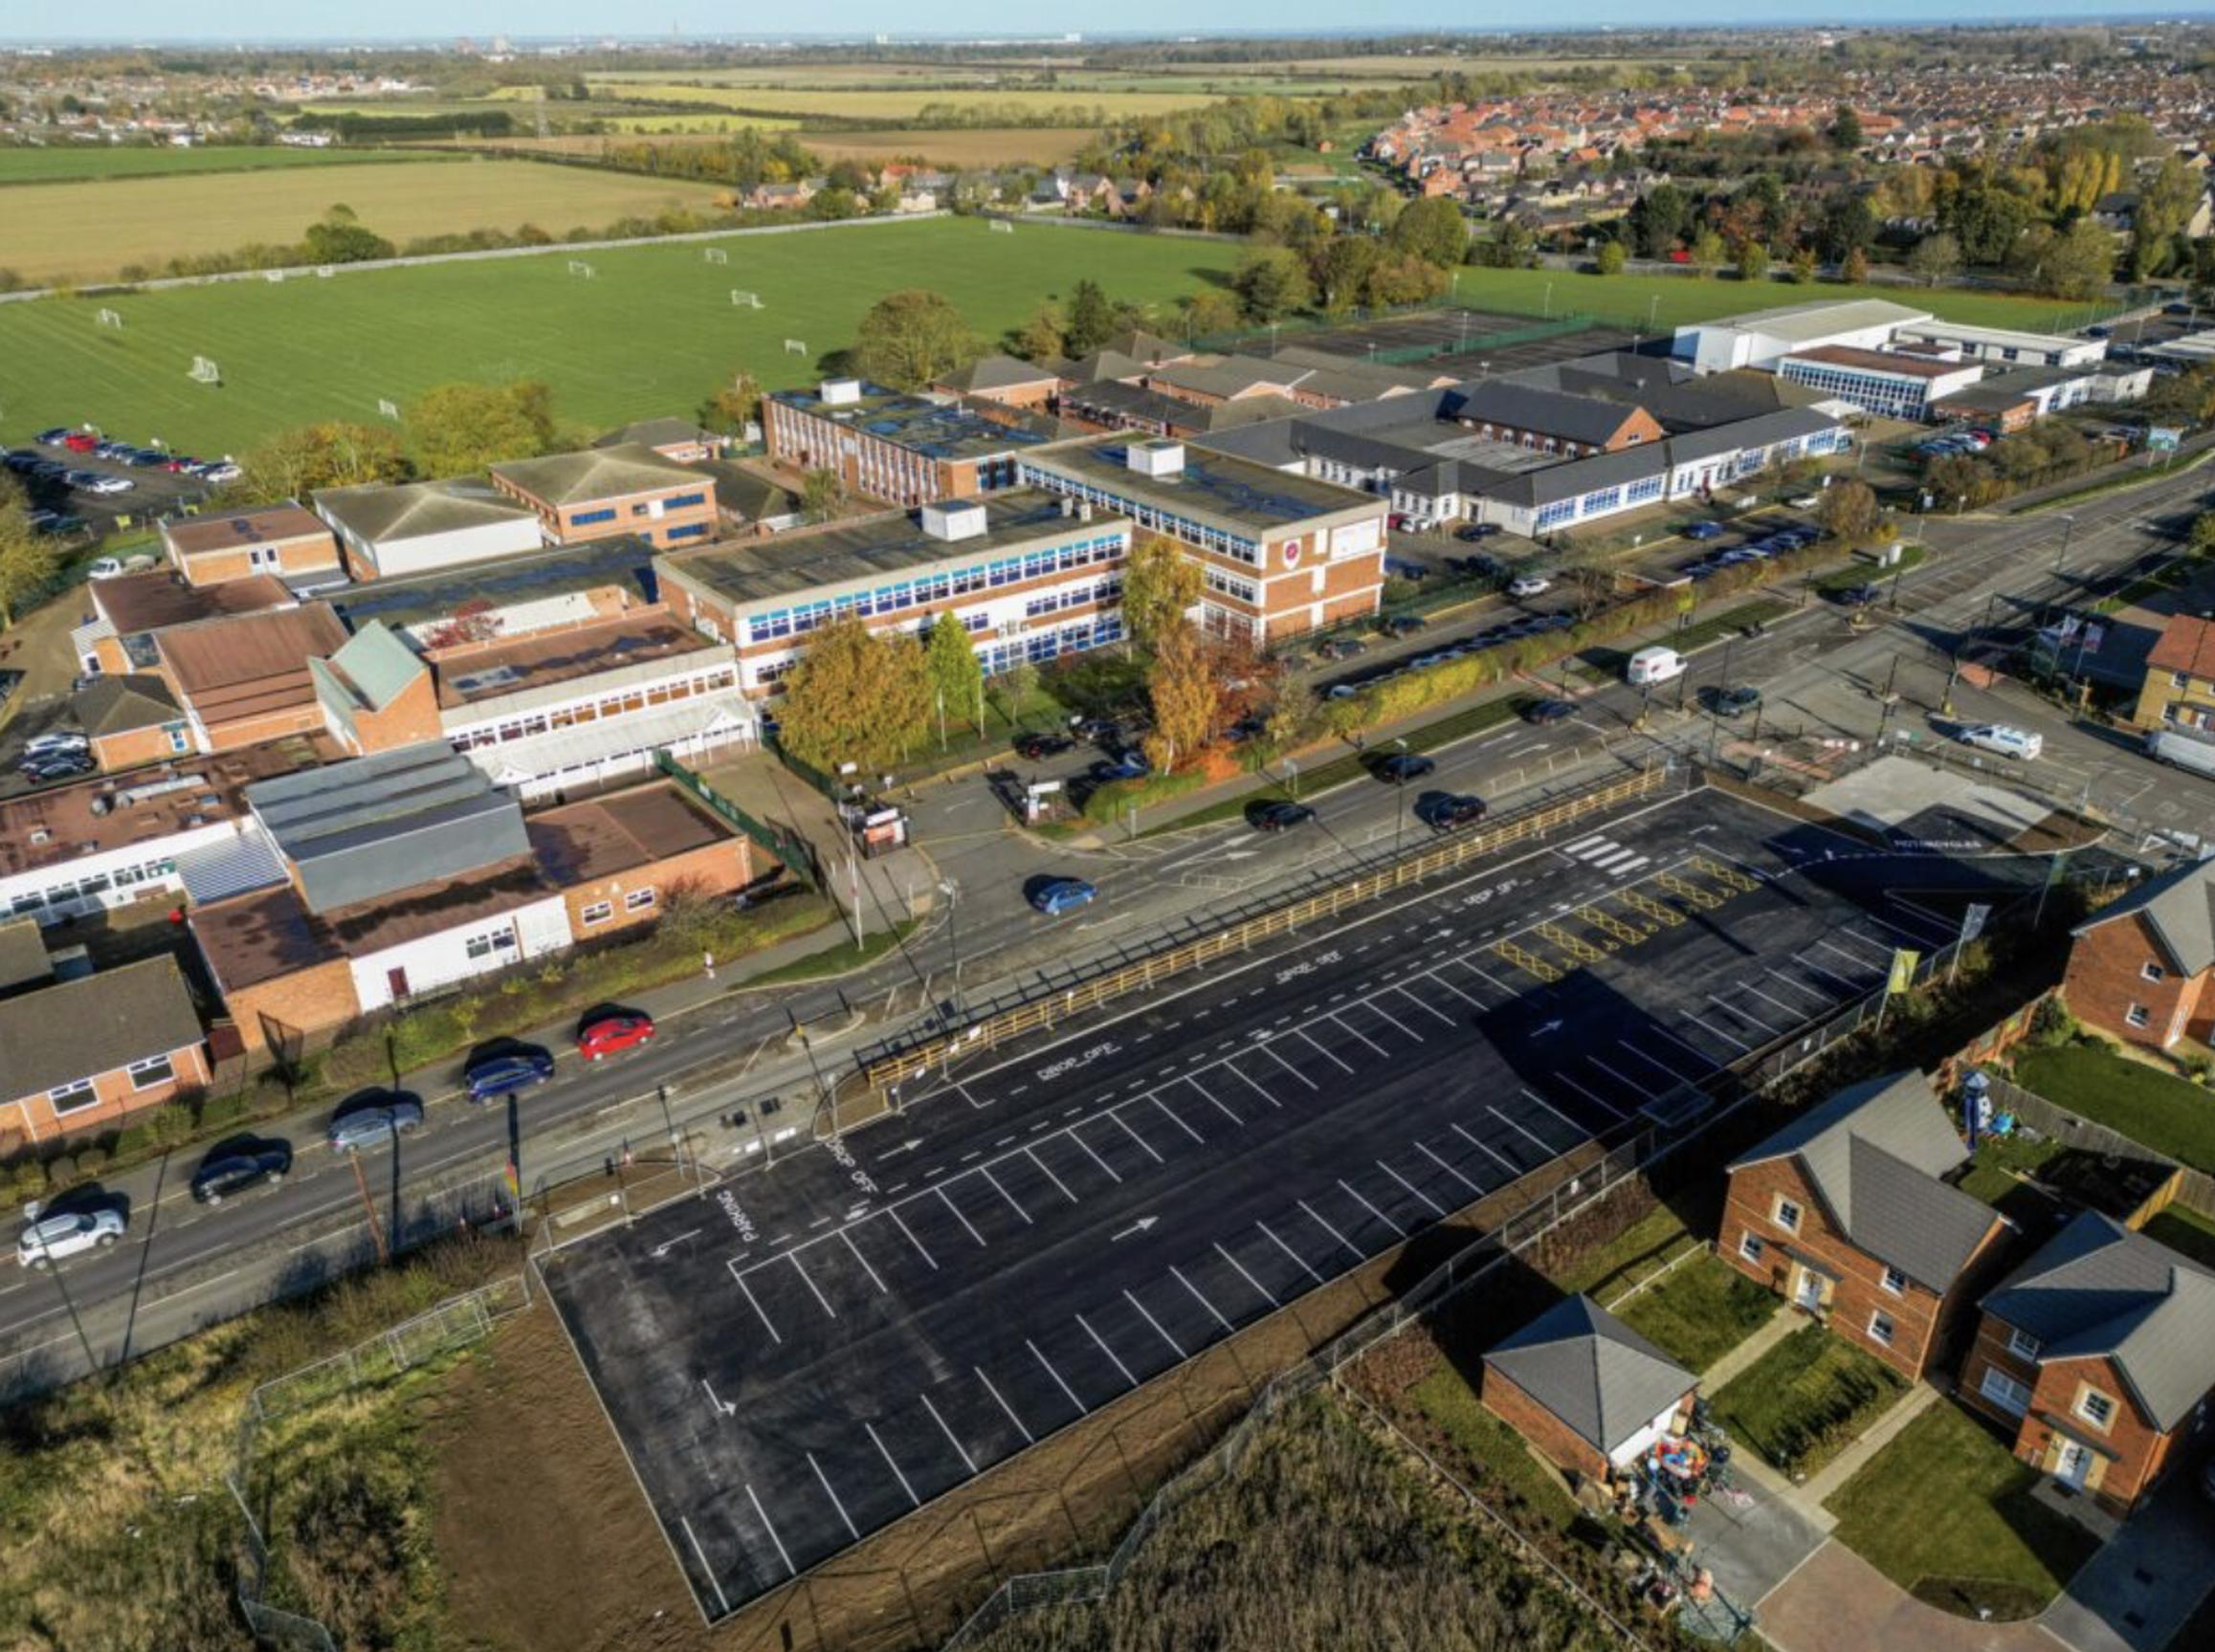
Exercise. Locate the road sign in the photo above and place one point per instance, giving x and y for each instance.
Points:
(2162, 438)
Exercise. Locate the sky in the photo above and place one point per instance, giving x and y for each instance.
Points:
(129, 20)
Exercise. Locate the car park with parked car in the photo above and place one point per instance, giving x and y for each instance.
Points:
(1033, 745)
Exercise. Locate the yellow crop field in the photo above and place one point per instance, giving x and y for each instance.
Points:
(955, 147)
(896, 105)
(90, 231)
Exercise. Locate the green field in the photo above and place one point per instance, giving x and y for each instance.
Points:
(20, 165)
(651, 333)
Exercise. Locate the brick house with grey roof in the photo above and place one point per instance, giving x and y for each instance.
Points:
(2139, 967)
(1843, 1214)
(2099, 1353)
(89, 1052)
(1586, 1389)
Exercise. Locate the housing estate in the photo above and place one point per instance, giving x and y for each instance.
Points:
(1586, 1390)
(80, 1053)
(2178, 689)
(1843, 1214)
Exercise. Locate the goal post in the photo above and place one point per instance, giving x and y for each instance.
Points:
(744, 299)
(1001, 227)
(795, 346)
(204, 371)
(578, 267)
(714, 256)
(110, 318)
(388, 406)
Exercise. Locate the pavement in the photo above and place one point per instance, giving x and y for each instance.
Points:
(1838, 1602)
(803, 1359)
(2138, 1591)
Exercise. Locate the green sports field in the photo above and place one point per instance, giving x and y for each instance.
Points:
(50, 165)
(651, 333)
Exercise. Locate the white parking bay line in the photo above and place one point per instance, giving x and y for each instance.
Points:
(793, 1257)
(1288, 1251)
(1293, 1071)
(1102, 1344)
(987, 1173)
(1473, 1002)
(1376, 1008)
(1426, 1009)
(1790, 1014)
(1436, 1209)
(1255, 1088)
(957, 1216)
(1137, 1137)
(1655, 1062)
(1360, 1255)
(740, 1280)
(1577, 1132)
(1301, 1033)
(1155, 1323)
(1086, 1148)
(1051, 1176)
(1081, 1408)
(864, 1260)
(956, 1443)
(1442, 1164)
(701, 1554)
(871, 1429)
(1267, 1294)
(1175, 1120)
(1821, 998)
(1544, 1145)
(1372, 1209)
(1734, 1043)
(1627, 1083)
(1212, 1102)
(1745, 1015)
(912, 1239)
(791, 1570)
(824, 1481)
(1593, 1096)
(1506, 1164)
(1845, 981)
(1365, 1037)
(1029, 1436)
(1202, 1300)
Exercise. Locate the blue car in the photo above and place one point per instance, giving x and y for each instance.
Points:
(1704, 531)
(1062, 894)
(508, 1072)
(1129, 767)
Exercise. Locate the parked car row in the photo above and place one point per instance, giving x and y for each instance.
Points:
(1774, 545)
(1974, 439)
(1491, 636)
(88, 441)
(60, 755)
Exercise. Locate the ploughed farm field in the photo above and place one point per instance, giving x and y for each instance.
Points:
(650, 332)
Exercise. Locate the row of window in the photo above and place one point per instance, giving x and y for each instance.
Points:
(927, 589)
(484, 946)
(1053, 602)
(1223, 584)
(1204, 534)
(1646, 489)
(1753, 1247)
(78, 1094)
(645, 697)
(685, 531)
(601, 911)
(68, 892)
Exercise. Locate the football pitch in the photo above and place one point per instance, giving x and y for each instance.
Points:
(650, 331)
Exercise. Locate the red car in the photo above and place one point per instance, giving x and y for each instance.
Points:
(82, 441)
(610, 1034)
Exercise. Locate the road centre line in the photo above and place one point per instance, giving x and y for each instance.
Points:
(825, 1482)
(1267, 1294)
(1029, 1436)
(1178, 1276)
(912, 1499)
(969, 1462)
(1157, 1325)
(791, 1570)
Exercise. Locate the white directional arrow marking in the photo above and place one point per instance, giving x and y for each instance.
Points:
(1139, 1226)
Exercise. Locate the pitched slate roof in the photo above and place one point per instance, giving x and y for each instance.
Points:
(93, 1025)
(1874, 1154)
(996, 373)
(595, 473)
(2097, 1289)
(379, 512)
(1592, 1371)
(2178, 907)
(117, 705)
(377, 664)
(1586, 419)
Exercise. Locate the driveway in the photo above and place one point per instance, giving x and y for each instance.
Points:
(1753, 1545)
(1839, 1602)
(2137, 1592)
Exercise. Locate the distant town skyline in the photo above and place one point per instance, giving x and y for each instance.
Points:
(443, 20)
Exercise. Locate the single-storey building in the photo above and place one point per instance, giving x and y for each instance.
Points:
(1586, 1390)
(131, 720)
(94, 1050)
(387, 529)
(245, 681)
(288, 541)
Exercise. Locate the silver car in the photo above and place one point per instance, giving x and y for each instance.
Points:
(51, 1238)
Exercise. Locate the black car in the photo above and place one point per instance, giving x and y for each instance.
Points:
(1548, 710)
(1278, 816)
(1448, 810)
(1338, 648)
(1033, 746)
(1859, 596)
(1401, 767)
(236, 1168)
(1735, 702)
(1477, 531)
(1404, 625)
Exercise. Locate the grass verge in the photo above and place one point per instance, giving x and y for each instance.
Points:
(1448, 1402)
(2184, 1230)
(2155, 1109)
(1807, 1400)
(1700, 1311)
(1945, 1512)
(837, 959)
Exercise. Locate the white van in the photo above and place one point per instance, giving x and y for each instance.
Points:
(2009, 743)
(1651, 666)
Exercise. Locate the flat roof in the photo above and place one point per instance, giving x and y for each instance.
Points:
(2004, 336)
(138, 602)
(1882, 361)
(741, 571)
(193, 535)
(545, 658)
(604, 836)
(1231, 492)
(1817, 319)
(935, 430)
(620, 560)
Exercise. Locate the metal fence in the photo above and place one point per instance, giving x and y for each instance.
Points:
(455, 1323)
(795, 851)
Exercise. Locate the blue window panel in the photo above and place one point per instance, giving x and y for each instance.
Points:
(691, 531)
(684, 501)
(584, 519)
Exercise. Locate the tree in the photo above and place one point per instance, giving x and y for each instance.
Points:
(822, 494)
(1659, 219)
(1610, 258)
(1404, 278)
(1708, 253)
(2076, 264)
(1848, 511)
(731, 408)
(856, 698)
(1289, 714)
(1936, 258)
(1342, 268)
(1041, 338)
(28, 557)
(2166, 206)
(1804, 265)
(1209, 310)
(950, 661)
(1512, 246)
(1854, 268)
(908, 339)
(2202, 538)
(1846, 130)
(332, 242)
(1270, 283)
(1753, 261)
(1849, 225)
(1181, 687)
(295, 463)
(1159, 582)
(1433, 230)
(1092, 319)
(458, 429)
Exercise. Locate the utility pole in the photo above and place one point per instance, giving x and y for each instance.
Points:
(952, 890)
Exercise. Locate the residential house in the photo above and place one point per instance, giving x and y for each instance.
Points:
(1587, 1391)
(2179, 691)
(2139, 967)
(602, 491)
(2099, 1355)
(386, 530)
(94, 1050)
(286, 540)
(1843, 1212)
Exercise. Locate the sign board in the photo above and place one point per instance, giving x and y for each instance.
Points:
(1903, 969)
(2164, 438)
(1973, 921)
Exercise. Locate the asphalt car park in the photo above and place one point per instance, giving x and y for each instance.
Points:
(801, 1359)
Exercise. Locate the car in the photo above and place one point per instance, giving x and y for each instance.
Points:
(179, 462)
(372, 1116)
(1405, 625)
(505, 1072)
(1476, 530)
(1733, 702)
(2177, 309)
(1804, 502)
(1448, 810)
(107, 450)
(105, 568)
(1058, 896)
(52, 438)
(236, 1168)
(2009, 741)
(222, 471)
(55, 740)
(1278, 815)
(1341, 649)
(49, 1236)
(82, 479)
(1530, 586)
(1859, 596)
(2099, 332)
(110, 485)
(82, 441)
(1129, 766)
(55, 522)
(47, 773)
(1033, 745)
(146, 458)
(606, 1035)
(1549, 710)
(1401, 767)
(1704, 531)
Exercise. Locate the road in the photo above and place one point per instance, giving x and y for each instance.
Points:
(181, 1266)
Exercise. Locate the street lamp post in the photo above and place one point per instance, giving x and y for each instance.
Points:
(2061, 557)
(952, 890)
(1400, 823)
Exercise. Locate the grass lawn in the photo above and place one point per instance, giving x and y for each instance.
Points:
(1864, 572)
(1807, 1400)
(88, 231)
(2168, 1113)
(2185, 1230)
(1700, 1311)
(1453, 1405)
(651, 334)
(835, 960)
(1945, 1513)
(1606, 1272)
(48, 165)
(891, 105)
(1990, 1173)
(1659, 304)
